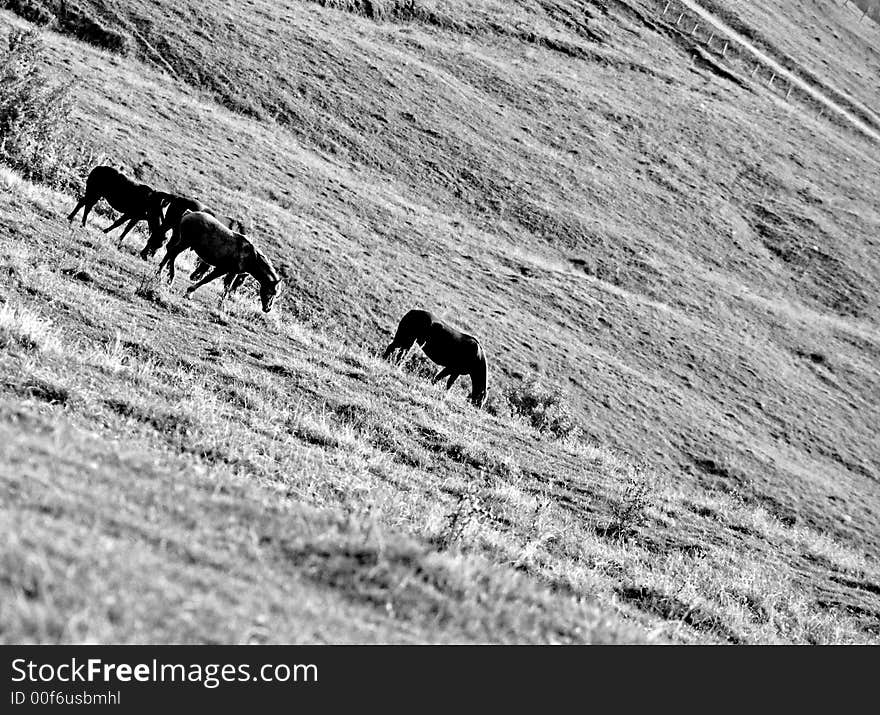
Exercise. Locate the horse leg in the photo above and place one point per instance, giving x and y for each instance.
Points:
(128, 228)
(171, 254)
(167, 223)
(163, 261)
(150, 248)
(228, 283)
(131, 225)
(154, 242)
(200, 270)
(116, 224)
(79, 205)
(440, 375)
(237, 281)
(175, 247)
(90, 204)
(452, 378)
(216, 273)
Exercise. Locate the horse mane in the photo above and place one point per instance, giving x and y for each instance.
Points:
(262, 260)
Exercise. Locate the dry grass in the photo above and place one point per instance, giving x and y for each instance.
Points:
(27, 330)
(600, 214)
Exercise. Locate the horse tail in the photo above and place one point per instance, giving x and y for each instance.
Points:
(479, 377)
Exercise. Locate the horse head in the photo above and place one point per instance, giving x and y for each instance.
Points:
(268, 291)
(262, 270)
(479, 379)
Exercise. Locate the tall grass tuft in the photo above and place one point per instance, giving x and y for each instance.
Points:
(27, 330)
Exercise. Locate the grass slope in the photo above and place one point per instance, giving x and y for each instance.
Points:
(694, 256)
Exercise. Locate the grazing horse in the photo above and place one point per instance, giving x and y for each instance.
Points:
(457, 352)
(229, 253)
(135, 201)
(177, 206)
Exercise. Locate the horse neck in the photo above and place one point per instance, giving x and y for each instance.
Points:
(260, 269)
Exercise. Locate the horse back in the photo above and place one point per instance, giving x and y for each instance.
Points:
(107, 175)
(452, 348)
(121, 193)
(414, 325)
(214, 243)
(201, 225)
(179, 205)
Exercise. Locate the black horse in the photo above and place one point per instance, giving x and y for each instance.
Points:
(458, 353)
(177, 206)
(230, 254)
(137, 202)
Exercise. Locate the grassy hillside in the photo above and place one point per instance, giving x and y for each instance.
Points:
(690, 256)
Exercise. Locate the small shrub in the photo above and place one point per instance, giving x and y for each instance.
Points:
(459, 519)
(498, 405)
(35, 137)
(631, 510)
(69, 18)
(82, 24)
(45, 390)
(157, 291)
(32, 10)
(376, 9)
(544, 407)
